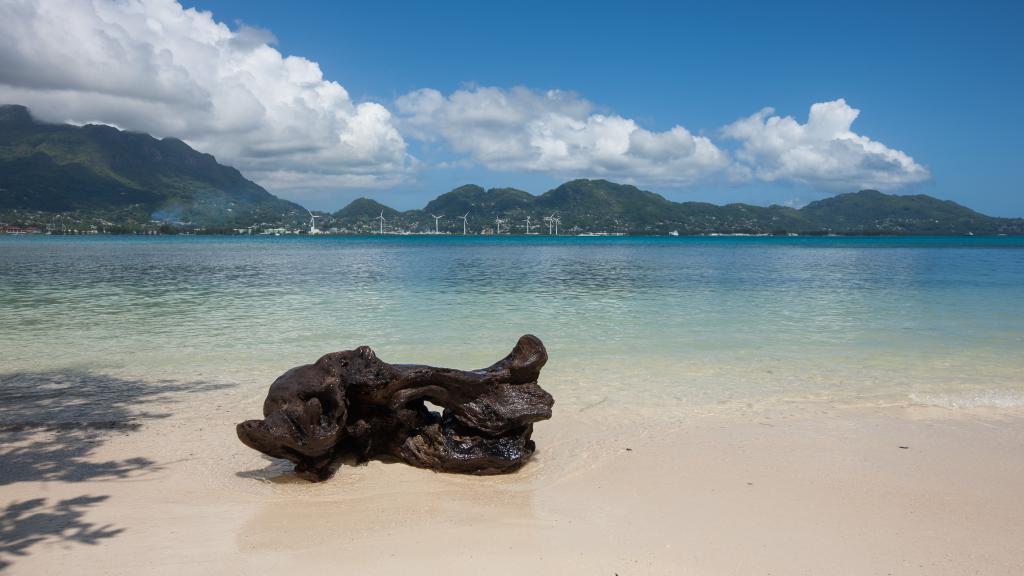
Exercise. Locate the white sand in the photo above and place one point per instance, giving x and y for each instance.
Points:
(812, 491)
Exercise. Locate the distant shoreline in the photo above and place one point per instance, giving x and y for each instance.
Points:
(524, 236)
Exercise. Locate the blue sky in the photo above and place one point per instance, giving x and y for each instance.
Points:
(937, 88)
(940, 81)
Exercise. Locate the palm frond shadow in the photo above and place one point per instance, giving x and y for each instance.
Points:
(51, 424)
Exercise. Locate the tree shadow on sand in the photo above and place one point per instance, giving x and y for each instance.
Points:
(30, 522)
(51, 424)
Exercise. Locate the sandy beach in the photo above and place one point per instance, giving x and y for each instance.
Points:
(808, 489)
(758, 406)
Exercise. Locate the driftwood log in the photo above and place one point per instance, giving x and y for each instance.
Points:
(351, 403)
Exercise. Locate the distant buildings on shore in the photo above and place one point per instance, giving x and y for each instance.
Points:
(20, 230)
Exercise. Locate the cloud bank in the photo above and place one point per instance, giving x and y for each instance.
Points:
(560, 133)
(153, 66)
(556, 132)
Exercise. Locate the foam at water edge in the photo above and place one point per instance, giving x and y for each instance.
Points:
(965, 400)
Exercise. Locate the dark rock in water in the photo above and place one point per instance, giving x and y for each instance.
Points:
(353, 403)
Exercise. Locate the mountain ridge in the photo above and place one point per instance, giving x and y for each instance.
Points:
(94, 176)
(102, 171)
(601, 206)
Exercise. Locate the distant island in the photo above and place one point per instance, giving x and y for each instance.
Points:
(97, 179)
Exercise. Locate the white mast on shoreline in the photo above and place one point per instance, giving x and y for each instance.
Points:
(464, 222)
(557, 221)
(312, 222)
(381, 218)
(498, 222)
(437, 219)
(527, 225)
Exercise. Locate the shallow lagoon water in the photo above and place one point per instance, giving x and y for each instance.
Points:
(705, 323)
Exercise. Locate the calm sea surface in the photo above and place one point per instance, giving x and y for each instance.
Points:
(643, 322)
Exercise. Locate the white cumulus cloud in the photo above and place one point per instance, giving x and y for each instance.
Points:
(153, 66)
(823, 153)
(555, 132)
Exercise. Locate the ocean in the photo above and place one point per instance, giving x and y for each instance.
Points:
(668, 323)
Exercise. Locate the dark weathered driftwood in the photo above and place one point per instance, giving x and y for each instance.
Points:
(353, 403)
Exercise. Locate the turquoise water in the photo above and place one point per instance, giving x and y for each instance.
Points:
(647, 322)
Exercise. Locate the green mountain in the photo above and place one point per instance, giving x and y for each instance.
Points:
(473, 198)
(870, 210)
(601, 205)
(125, 177)
(600, 200)
(588, 206)
(364, 208)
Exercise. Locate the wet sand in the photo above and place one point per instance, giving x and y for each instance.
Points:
(808, 490)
